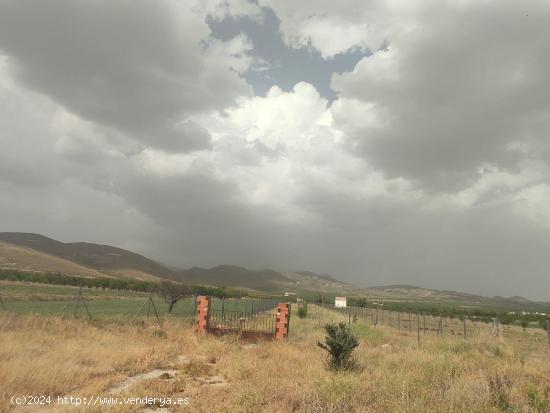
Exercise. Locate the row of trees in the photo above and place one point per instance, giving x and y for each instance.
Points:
(62, 279)
(172, 292)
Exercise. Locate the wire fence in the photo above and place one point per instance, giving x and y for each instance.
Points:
(418, 323)
(257, 313)
(245, 304)
(90, 304)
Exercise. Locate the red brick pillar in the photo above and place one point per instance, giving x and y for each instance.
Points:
(283, 321)
(203, 305)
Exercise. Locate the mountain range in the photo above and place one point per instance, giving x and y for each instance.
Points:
(35, 252)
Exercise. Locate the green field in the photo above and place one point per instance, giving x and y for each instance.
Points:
(23, 298)
(26, 290)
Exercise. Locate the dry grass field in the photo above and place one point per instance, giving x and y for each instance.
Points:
(45, 355)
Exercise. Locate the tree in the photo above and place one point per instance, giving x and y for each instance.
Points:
(362, 302)
(302, 310)
(340, 343)
(173, 292)
(523, 323)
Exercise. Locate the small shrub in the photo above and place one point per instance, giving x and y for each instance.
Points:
(302, 310)
(498, 352)
(340, 343)
(524, 324)
(160, 334)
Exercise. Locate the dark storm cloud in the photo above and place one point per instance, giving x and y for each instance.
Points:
(136, 69)
(485, 249)
(207, 222)
(426, 164)
(455, 93)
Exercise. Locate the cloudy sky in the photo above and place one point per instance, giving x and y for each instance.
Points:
(381, 142)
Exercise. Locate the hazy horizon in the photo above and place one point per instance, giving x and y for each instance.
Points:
(295, 270)
(382, 143)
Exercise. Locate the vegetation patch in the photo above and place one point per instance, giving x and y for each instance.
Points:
(339, 343)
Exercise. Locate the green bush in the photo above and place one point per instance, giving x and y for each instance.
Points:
(160, 334)
(524, 324)
(302, 310)
(339, 343)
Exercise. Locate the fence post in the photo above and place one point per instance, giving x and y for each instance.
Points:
(282, 321)
(548, 331)
(418, 327)
(77, 303)
(398, 321)
(203, 309)
(465, 336)
(241, 322)
(424, 321)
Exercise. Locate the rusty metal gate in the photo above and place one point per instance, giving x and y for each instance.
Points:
(246, 325)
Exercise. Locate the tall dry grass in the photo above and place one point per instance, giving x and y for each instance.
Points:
(44, 355)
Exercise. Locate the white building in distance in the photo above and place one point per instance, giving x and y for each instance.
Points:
(340, 302)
